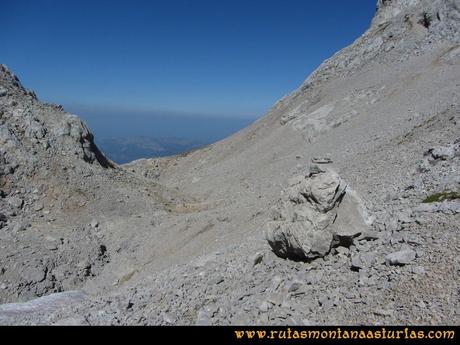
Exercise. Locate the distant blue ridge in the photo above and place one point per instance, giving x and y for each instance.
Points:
(126, 135)
(125, 150)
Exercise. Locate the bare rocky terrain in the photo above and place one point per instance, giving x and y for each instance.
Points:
(340, 206)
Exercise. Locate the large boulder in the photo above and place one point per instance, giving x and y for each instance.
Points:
(316, 212)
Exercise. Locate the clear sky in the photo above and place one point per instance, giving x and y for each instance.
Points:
(216, 58)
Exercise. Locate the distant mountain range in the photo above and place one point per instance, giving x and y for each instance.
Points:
(127, 149)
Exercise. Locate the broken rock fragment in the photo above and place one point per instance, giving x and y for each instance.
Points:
(402, 257)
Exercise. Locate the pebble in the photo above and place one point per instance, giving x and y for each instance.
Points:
(402, 257)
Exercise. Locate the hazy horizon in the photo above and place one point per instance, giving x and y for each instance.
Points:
(116, 131)
(109, 123)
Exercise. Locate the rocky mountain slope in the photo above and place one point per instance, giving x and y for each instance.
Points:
(182, 240)
(53, 181)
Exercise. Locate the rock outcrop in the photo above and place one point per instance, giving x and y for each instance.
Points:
(316, 213)
(400, 30)
(26, 125)
(49, 163)
(35, 138)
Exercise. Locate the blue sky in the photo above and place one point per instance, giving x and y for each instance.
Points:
(193, 69)
(216, 58)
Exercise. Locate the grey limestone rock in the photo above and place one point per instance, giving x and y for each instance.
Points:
(16, 202)
(315, 213)
(402, 257)
(444, 152)
(363, 260)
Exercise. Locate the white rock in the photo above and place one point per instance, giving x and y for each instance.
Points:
(315, 213)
